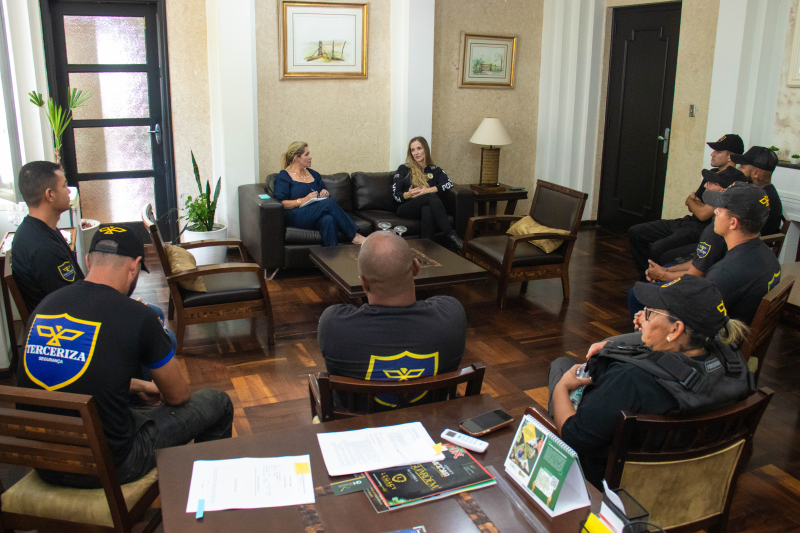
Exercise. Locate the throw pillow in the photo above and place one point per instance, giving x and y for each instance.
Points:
(181, 260)
(527, 225)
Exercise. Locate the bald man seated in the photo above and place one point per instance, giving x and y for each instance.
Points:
(394, 337)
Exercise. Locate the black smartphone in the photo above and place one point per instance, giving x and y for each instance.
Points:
(481, 425)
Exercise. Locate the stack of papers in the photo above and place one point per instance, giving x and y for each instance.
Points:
(362, 450)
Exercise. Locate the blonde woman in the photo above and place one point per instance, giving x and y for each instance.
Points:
(418, 186)
(306, 201)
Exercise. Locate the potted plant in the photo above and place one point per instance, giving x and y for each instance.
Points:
(58, 117)
(795, 159)
(199, 215)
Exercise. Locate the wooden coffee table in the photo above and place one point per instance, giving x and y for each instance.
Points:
(440, 267)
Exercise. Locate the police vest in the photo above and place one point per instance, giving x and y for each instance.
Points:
(723, 377)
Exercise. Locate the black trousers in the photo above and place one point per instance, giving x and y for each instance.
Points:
(429, 209)
(652, 239)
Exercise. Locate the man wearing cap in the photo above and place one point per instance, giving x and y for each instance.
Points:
(650, 240)
(91, 338)
(685, 361)
(758, 163)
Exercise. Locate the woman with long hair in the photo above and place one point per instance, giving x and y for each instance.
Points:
(306, 201)
(418, 187)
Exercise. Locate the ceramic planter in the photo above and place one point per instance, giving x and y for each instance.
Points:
(210, 255)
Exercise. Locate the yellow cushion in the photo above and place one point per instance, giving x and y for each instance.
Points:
(35, 497)
(527, 225)
(181, 260)
(752, 364)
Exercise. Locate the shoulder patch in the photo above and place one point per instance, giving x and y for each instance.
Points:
(702, 249)
(67, 271)
(713, 364)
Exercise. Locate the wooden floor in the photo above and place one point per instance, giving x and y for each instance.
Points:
(269, 391)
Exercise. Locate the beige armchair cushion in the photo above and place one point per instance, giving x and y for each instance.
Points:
(679, 492)
(34, 497)
(527, 225)
(181, 260)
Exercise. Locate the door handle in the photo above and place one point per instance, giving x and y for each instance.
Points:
(665, 138)
(157, 131)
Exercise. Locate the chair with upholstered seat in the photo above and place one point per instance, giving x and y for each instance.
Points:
(775, 241)
(764, 323)
(11, 291)
(233, 290)
(322, 387)
(512, 258)
(66, 444)
(682, 469)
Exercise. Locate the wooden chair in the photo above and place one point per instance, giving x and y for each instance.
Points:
(512, 258)
(775, 241)
(11, 290)
(682, 469)
(234, 290)
(321, 387)
(66, 444)
(763, 326)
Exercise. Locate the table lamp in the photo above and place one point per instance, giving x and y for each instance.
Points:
(490, 133)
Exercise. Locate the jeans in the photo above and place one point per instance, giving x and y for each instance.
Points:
(208, 415)
(652, 239)
(427, 208)
(557, 370)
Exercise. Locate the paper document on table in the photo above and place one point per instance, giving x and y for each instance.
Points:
(251, 482)
(362, 450)
(314, 200)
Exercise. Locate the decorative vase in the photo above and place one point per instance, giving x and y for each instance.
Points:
(210, 255)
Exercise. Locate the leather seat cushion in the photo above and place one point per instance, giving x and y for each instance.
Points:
(373, 190)
(414, 226)
(35, 497)
(339, 185)
(223, 289)
(312, 236)
(494, 246)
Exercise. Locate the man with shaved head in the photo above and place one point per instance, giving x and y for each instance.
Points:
(394, 337)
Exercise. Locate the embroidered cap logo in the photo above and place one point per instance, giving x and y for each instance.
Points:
(110, 230)
(765, 201)
(721, 308)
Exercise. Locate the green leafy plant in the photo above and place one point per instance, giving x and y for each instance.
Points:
(795, 156)
(774, 148)
(200, 210)
(58, 117)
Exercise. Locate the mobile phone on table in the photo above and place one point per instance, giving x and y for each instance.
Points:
(483, 424)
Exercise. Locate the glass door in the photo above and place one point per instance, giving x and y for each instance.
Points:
(114, 149)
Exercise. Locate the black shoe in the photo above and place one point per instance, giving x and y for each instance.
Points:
(456, 241)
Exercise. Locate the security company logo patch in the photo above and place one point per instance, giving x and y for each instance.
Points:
(721, 308)
(110, 230)
(401, 367)
(59, 349)
(67, 271)
(765, 201)
(702, 249)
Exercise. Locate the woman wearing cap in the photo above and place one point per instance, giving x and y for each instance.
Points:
(299, 188)
(686, 360)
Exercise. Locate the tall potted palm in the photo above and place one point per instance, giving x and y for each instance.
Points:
(199, 214)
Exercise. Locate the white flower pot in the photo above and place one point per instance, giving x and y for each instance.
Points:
(87, 233)
(796, 160)
(210, 255)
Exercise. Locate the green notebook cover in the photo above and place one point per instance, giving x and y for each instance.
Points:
(550, 472)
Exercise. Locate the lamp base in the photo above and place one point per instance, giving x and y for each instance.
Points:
(490, 165)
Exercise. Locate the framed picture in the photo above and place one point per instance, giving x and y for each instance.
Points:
(323, 40)
(794, 67)
(487, 62)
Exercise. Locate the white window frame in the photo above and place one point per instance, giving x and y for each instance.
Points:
(10, 194)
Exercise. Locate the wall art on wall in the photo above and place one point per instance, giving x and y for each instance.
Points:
(794, 67)
(323, 40)
(487, 62)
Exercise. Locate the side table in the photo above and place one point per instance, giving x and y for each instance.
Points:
(491, 198)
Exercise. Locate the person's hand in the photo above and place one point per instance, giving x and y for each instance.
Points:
(638, 319)
(324, 193)
(570, 380)
(413, 192)
(655, 272)
(149, 393)
(594, 348)
(311, 195)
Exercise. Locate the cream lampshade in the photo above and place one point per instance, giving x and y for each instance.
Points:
(490, 133)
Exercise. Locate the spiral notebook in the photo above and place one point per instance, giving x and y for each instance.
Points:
(546, 468)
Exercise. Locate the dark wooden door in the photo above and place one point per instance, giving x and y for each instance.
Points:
(641, 87)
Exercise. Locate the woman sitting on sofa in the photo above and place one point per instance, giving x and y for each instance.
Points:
(306, 201)
(418, 185)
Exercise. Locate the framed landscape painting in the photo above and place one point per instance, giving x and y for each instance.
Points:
(487, 62)
(323, 40)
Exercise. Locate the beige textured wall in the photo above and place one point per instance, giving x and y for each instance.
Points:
(786, 133)
(345, 122)
(191, 106)
(692, 86)
(457, 113)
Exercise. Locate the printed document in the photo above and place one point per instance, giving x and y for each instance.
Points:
(251, 482)
(350, 452)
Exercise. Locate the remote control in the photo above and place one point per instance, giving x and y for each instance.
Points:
(465, 441)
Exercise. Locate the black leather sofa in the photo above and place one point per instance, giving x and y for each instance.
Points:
(365, 196)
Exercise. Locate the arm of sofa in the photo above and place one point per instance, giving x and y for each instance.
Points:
(261, 226)
(460, 203)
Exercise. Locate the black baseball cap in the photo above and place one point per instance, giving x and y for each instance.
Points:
(744, 200)
(759, 157)
(124, 241)
(694, 301)
(725, 178)
(730, 142)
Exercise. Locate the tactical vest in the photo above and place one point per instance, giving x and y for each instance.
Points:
(722, 378)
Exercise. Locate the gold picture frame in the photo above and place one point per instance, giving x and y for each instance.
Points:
(793, 80)
(487, 61)
(323, 40)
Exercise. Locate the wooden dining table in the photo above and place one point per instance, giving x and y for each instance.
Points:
(475, 511)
